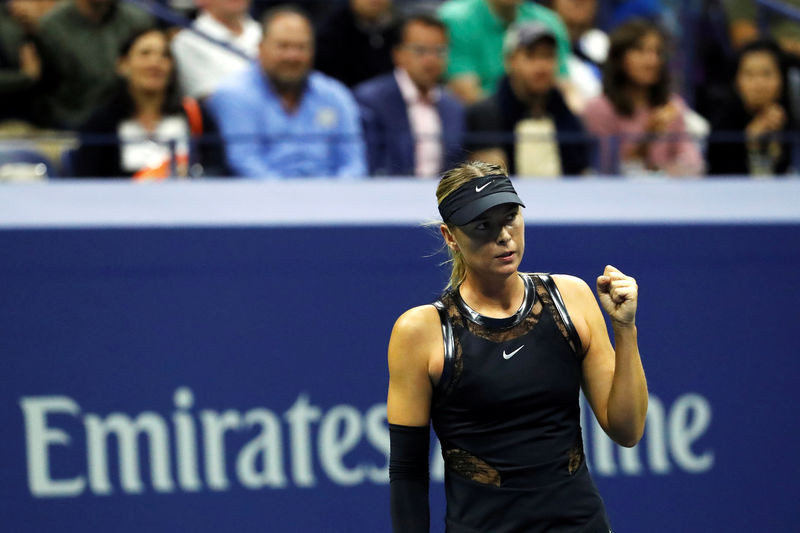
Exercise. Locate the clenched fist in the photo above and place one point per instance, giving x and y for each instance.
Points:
(618, 295)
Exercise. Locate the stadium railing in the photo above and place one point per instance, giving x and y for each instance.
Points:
(606, 148)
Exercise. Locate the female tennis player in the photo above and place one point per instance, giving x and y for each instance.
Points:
(497, 364)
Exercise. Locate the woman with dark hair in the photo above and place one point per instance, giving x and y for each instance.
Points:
(750, 127)
(147, 131)
(497, 364)
(639, 121)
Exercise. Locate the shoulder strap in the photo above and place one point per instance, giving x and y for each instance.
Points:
(552, 289)
(449, 345)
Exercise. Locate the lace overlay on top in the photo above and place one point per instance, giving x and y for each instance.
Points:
(455, 311)
(458, 320)
(575, 454)
(471, 467)
(450, 304)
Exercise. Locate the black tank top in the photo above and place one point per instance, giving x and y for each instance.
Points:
(506, 411)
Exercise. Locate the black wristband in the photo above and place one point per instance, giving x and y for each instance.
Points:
(408, 478)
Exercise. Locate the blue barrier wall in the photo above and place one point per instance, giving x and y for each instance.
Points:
(233, 378)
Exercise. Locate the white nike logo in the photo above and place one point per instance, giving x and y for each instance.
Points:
(510, 355)
(479, 189)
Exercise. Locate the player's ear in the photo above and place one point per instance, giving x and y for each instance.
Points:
(448, 236)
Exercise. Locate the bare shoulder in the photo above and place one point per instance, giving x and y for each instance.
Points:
(420, 320)
(416, 332)
(572, 288)
(416, 349)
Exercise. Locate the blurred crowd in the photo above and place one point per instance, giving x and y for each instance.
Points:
(384, 88)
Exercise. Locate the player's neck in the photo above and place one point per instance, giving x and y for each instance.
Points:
(494, 297)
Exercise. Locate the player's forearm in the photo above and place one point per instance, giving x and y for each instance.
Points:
(408, 478)
(627, 401)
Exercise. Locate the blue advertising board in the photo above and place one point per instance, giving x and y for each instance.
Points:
(204, 375)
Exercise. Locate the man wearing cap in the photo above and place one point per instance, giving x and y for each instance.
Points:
(477, 29)
(517, 126)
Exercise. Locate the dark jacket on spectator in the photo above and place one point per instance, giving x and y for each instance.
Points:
(497, 116)
(729, 155)
(79, 58)
(352, 52)
(18, 91)
(387, 129)
(100, 156)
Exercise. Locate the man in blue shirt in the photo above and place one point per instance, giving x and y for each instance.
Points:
(280, 119)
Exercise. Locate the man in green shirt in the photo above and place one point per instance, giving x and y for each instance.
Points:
(80, 42)
(477, 29)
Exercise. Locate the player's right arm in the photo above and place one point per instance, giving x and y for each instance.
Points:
(415, 342)
(415, 349)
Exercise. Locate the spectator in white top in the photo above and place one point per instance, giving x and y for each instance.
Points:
(202, 64)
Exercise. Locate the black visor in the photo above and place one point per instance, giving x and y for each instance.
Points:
(466, 203)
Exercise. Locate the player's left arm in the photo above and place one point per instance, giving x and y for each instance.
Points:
(613, 377)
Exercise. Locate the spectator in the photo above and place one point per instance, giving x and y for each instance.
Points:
(744, 28)
(280, 119)
(29, 12)
(589, 46)
(355, 41)
(637, 112)
(201, 64)
(413, 127)
(79, 41)
(20, 68)
(477, 28)
(711, 57)
(515, 127)
(757, 108)
(135, 134)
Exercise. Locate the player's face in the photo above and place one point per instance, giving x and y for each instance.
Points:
(287, 49)
(423, 54)
(148, 65)
(758, 80)
(493, 243)
(643, 61)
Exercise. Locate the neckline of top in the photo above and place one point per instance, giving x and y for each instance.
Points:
(501, 323)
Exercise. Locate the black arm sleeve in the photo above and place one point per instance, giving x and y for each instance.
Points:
(408, 478)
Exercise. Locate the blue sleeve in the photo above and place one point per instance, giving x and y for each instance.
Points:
(239, 130)
(349, 153)
(374, 132)
(456, 127)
